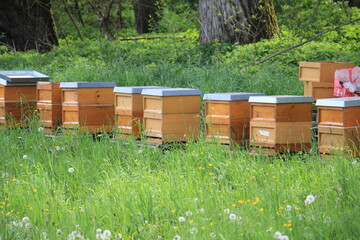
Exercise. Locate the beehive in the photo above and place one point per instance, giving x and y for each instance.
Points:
(320, 71)
(18, 96)
(49, 105)
(280, 123)
(227, 117)
(171, 115)
(88, 106)
(129, 109)
(339, 125)
(319, 90)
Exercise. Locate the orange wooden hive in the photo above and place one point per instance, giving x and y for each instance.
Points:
(18, 96)
(171, 115)
(320, 71)
(49, 105)
(227, 117)
(319, 90)
(129, 109)
(88, 106)
(280, 123)
(339, 125)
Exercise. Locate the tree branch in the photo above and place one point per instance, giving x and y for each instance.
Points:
(302, 43)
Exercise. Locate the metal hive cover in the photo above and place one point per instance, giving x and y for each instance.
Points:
(234, 96)
(171, 92)
(339, 102)
(134, 89)
(87, 84)
(280, 99)
(23, 76)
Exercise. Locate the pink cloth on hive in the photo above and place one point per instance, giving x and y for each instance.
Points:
(346, 82)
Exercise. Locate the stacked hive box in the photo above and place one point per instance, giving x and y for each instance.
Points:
(18, 96)
(88, 106)
(227, 117)
(49, 105)
(339, 125)
(171, 115)
(129, 110)
(280, 123)
(318, 77)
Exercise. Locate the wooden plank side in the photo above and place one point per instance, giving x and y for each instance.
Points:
(94, 96)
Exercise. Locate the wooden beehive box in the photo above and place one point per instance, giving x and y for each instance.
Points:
(49, 105)
(88, 106)
(171, 115)
(320, 71)
(339, 125)
(319, 90)
(18, 96)
(280, 123)
(227, 117)
(129, 109)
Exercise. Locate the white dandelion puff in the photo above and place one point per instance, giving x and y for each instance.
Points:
(58, 232)
(227, 211)
(201, 210)
(212, 235)
(98, 230)
(40, 129)
(25, 157)
(188, 213)
(284, 237)
(288, 208)
(71, 170)
(58, 148)
(177, 237)
(182, 219)
(26, 219)
(277, 235)
(232, 216)
(309, 199)
(118, 236)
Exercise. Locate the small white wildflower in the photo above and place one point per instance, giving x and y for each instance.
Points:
(277, 235)
(177, 237)
(58, 232)
(58, 148)
(188, 213)
(232, 216)
(25, 157)
(288, 208)
(118, 236)
(26, 219)
(309, 199)
(181, 219)
(71, 170)
(284, 237)
(40, 129)
(227, 211)
(194, 230)
(213, 235)
(107, 234)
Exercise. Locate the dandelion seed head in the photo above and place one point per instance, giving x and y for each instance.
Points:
(212, 235)
(118, 236)
(25, 157)
(288, 208)
(26, 219)
(226, 211)
(182, 219)
(71, 170)
(188, 213)
(277, 235)
(107, 233)
(58, 232)
(177, 237)
(98, 230)
(284, 237)
(193, 230)
(40, 129)
(232, 216)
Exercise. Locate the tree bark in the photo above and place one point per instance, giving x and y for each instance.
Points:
(145, 10)
(237, 21)
(26, 25)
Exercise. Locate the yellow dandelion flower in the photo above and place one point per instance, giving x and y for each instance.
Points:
(289, 225)
(203, 228)
(172, 211)
(210, 164)
(234, 205)
(191, 221)
(261, 210)
(247, 181)
(181, 176)
(290, 229)
(46, 210)
(254, 203)
(176, 227)
(212, 223)
(285, 225)
(1, 206)
(8, 205)
(248, 200)
(289, 221)
(254, 170)
(34, 190)
(200, 168)
(155, 225)
(253, 177)
(241, 201)
(227, 164)
(211, 174)
(8, 213)
(257, 199)
(21, 165)
(270, 165)
(285, 201)
(14, 179)
(270, 228)
(3, 203)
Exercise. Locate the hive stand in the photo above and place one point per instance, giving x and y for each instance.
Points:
(18, 97)
(129, 110)
(280, 124)
(171, 115)
(88, 106)
(318, 77)
(49, 105)
(227, 117)
(339, 125)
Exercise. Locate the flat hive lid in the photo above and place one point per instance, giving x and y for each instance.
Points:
(171, 92)
(236, 96)
(23, 76)
(339, 102)
(280, 99)
(87, 84)
(9, 84)
(134, 89)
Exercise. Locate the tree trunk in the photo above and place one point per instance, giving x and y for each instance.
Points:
(145, 10)
(27, 24)
(237, 21)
